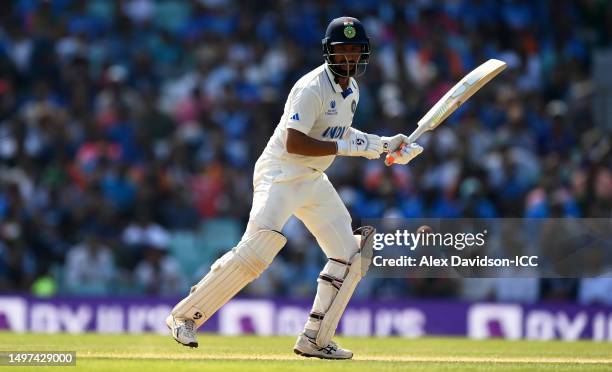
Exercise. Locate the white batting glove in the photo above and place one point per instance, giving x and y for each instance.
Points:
(391, 144)
(358, 143)
(404, 154)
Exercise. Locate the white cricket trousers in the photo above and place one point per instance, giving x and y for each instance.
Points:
(281, 190)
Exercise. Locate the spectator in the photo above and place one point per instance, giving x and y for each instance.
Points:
(90, 268)
(159, 273)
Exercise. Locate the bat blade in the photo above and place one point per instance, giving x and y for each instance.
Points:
(461, 92)
(454, 98)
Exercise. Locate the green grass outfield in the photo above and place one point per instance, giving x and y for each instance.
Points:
(150, 353)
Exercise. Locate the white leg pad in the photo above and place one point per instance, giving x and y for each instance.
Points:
(229, 274)
(359, 265)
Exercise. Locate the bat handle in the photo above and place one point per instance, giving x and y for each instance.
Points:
(412, 137)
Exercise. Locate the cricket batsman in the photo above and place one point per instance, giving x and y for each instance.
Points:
(289, 179)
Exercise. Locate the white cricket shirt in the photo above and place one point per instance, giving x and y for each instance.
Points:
(318, 107)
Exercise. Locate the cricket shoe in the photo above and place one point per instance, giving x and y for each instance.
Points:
(183, 331)
(307, 347)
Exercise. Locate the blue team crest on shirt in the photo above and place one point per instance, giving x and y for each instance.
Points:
(332, 104)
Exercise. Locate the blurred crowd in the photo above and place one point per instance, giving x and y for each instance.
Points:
(129, 130)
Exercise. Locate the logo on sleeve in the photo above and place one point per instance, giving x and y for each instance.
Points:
(295, 117)
(353, 106)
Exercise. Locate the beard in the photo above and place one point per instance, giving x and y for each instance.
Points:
(348, 69)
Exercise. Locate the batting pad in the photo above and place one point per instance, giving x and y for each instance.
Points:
(359, 265)
(229, 274)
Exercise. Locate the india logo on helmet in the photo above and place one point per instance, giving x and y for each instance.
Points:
(349, 31)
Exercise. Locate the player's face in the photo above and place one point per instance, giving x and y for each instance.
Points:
(347, 55)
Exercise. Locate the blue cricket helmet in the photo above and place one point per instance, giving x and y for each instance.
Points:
(346, 30)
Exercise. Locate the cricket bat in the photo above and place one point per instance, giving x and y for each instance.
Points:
(454, 98)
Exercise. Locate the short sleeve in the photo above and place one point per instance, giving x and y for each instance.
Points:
(304, 108)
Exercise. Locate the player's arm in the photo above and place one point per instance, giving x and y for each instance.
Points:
(302, 144)
(306, 106)
(355, 143)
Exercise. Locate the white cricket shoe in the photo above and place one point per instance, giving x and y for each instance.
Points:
(183, 331)
(307, 347)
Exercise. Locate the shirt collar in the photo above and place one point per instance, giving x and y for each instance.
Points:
(330, 76)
